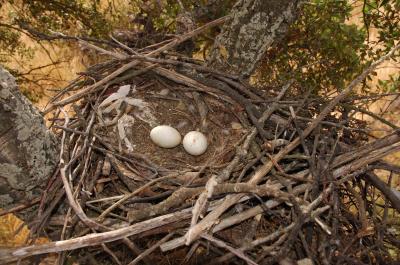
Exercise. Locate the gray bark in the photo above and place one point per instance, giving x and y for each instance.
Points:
(254, 26)
(28, 151)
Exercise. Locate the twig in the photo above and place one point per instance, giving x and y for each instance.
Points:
(222, 244)
(92, 239)
(151, 249)
(132, 64)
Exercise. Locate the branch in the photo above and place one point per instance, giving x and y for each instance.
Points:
(9, 255)
(384, 188)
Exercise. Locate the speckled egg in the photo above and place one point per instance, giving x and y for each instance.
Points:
(195, 143)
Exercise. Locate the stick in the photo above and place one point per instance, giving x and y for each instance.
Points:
(222, 244)
(93, 239)
(134, 63)
(212, 217)
(151, 249)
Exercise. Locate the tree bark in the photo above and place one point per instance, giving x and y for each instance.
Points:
(28, 151)
(254, 26)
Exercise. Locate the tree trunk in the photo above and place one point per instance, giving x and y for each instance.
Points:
(254, 26)
(28, 151)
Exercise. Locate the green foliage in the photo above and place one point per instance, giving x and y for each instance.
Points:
(39, 20)
(36, 18)
(321, 50)
(391, 85)
(64, 15)
(162, 14)
(10, 45)
(384, 17)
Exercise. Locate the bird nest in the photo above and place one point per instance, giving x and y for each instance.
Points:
(127, 129)
(287, 176)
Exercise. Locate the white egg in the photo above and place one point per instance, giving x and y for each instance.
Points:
(165, 136)
(195, 143)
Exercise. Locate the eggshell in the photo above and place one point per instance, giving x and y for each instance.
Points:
(195, 143)
(165, 136)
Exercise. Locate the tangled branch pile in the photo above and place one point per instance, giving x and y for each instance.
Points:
(288, 177)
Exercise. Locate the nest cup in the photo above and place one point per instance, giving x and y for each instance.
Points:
(180, 109)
